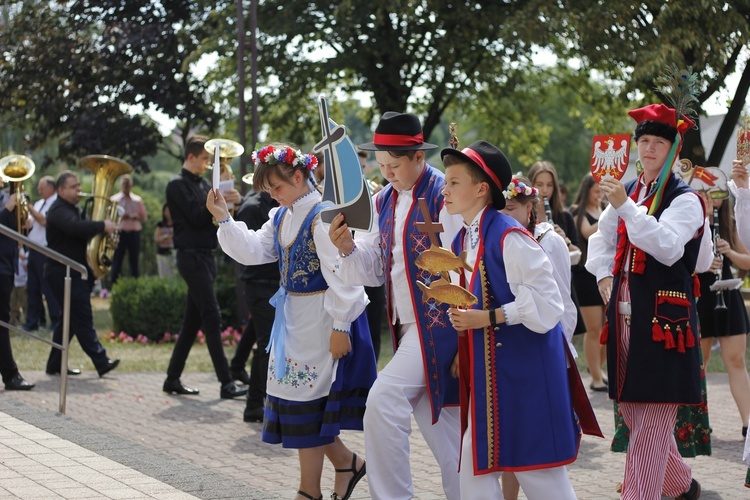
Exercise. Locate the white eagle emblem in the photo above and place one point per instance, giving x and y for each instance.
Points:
(609, 161)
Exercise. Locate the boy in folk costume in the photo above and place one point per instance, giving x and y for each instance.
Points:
(418, 379)
(516, 408)
(643, 255)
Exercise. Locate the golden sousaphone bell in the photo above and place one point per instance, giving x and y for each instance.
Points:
(15, 169)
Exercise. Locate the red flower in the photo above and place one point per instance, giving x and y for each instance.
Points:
(289, 156)
(682, 434)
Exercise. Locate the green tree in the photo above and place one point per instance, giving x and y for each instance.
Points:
(634, 42)
(416, 55)
(74, 73)
(552, 115)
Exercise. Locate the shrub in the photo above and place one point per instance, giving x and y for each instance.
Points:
(148, 306)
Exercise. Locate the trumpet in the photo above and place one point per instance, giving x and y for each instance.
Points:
(16, 169)
(228, 149)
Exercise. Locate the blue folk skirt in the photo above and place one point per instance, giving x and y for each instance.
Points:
(308, 424)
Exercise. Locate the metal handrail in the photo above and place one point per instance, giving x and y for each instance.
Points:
(69, 264)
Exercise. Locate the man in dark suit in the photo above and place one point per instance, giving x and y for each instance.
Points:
(8, 262)
(195, 241)
(68, 233)
(261, 282)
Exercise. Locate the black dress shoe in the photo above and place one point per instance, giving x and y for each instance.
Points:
(17, 383)
(253, 415)
(111, 365)
(241, 376)
(694, 493)
(231, 391)
(71, 371)
(176, 387)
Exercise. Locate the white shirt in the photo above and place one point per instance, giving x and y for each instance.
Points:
(538, 304)
(310, 318)
(742, 212)
(664, 239)
(365, 265)
(38, 232)
(557, 250)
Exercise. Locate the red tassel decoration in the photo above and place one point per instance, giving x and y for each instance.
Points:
(639, 261)
(696, 286)
(690, 340)
(604, 336)
(657, 334)
(668, 338)
(680, 340)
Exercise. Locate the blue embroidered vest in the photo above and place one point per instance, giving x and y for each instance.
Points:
(520, 397)
(655, 372)
(299, 264)
(437, 336)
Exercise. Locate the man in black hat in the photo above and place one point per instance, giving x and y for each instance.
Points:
(418, 379)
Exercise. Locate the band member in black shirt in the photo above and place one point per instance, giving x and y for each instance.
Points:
(195, 241)
(8, 261)
(68, 233)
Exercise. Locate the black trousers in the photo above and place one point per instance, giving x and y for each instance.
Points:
(8, 368)
(37, 287)
(130, 242)
(81, 317)
(375, 312)
(201, 313)
(257, 295)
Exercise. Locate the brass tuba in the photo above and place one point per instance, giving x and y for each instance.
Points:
(16, 169)
(101, 248)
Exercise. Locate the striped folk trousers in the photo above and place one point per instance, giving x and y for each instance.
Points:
(653, 466)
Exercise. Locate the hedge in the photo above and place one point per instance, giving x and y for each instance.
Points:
(148, 305)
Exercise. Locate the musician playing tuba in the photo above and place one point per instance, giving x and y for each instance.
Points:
(69, 233)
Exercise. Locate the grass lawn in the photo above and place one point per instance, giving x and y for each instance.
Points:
(31, 354)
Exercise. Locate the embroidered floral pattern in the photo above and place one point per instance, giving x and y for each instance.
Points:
(297, 375)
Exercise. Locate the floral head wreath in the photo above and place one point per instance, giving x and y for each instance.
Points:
(516, 187)
(292, 157)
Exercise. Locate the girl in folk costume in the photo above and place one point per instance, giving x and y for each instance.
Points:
(522, 203)
(516, 408)
(730, 326)
(418, 380)
(321, 358)
(586, 212)
(543, 176)
(644, 254)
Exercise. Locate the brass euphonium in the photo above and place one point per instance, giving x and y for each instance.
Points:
(101, 248)
(16, 169)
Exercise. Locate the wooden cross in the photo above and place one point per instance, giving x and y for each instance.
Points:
(433, 229)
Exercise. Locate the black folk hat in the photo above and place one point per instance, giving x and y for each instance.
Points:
(397, 132)
(491, 161)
